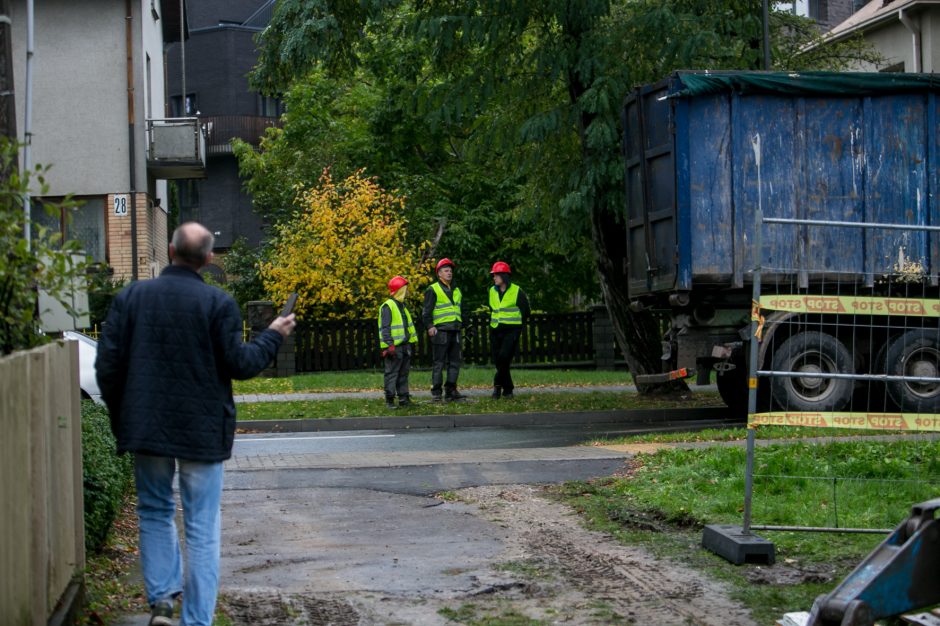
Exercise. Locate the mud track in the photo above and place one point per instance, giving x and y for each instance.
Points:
(549, 568)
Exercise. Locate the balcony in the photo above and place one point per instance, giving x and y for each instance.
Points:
(221, 129)
(176, 148)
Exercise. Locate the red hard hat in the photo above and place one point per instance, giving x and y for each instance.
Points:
(444, 263)
(500, 268)
(395, 284)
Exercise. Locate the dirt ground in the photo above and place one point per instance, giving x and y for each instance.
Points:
(549, 568)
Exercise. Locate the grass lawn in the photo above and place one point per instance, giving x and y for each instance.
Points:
(663, 499)
(470, 377)
(522, 403)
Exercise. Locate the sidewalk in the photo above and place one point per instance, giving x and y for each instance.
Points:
(471, 392)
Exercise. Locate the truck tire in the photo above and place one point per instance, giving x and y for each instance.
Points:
(732, 387)
(915, 353)
(812, 352)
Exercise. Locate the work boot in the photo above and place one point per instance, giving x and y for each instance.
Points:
(404, 401)
(436, 398)
(507, 395)
(452, 395)
(390, 403)
(161, 614)
(497, 392)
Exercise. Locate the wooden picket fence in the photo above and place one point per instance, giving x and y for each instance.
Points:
(42, 546)
(548, 340)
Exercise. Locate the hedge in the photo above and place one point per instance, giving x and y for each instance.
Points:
(107, 477)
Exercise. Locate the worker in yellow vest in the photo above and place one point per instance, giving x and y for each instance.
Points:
(397, 338)
(509, 311)
(442, 315)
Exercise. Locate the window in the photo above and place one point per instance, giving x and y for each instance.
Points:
(176, 106)
(804, 8)
(84, 223)
(269, 106)
(897, 67)
(87, 226)
(188, 193)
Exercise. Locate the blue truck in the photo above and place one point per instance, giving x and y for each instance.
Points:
(704, 151)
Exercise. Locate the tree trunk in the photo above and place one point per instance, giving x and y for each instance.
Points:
(638, 333)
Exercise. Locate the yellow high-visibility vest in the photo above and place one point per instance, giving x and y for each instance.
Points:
(398, 325)
(445, 310)
(505, 311)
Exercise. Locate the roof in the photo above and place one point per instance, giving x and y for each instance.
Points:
(874, 13)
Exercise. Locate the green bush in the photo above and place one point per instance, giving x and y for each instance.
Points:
(107, 477)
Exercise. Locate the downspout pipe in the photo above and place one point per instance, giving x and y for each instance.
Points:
(28, 120)
(914, 28)
(131, 122)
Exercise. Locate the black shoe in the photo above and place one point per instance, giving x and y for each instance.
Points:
(507, 395)
(161, 614)
(403, 402)
(390, 404)
(497, 392)
(436, 398)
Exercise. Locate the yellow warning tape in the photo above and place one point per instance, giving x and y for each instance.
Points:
(867, 305)
(863, 421)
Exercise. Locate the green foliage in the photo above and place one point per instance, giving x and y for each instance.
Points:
(506, 114)
(460, 194)
(45, 262)
(242, 267)
(107, 477)
(102, 289)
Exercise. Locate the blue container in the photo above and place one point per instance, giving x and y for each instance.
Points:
(704, 151)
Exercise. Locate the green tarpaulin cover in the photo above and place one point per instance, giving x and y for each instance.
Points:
(804, 83)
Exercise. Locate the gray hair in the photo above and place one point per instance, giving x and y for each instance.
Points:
(192, 243)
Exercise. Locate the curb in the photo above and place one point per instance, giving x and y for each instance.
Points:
(659, 417)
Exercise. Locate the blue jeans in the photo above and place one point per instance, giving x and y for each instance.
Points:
(160, 557)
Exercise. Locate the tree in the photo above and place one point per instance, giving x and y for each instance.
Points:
(461, 196)
(544, 81)
(45, 263)
(340, 248)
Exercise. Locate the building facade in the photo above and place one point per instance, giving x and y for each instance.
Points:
(217, 57)
(905, 32)
(97, 78)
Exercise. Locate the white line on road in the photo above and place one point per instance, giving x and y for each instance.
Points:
(239, 439)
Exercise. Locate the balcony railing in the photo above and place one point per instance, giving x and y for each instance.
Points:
(221, 129)
(176, 148)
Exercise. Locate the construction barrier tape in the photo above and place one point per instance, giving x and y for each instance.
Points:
(862, 421)
(757, 317)
(865, 305)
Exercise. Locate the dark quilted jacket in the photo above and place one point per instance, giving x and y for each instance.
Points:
(166, 359)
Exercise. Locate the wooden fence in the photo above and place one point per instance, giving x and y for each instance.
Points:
(42, 546)
(548, 340)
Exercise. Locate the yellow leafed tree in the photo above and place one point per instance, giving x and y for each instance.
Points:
(340, 248)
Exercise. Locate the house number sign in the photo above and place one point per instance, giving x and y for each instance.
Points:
(120, 205)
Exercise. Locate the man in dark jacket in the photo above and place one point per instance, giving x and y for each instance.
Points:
(166, 359)
(442, 315)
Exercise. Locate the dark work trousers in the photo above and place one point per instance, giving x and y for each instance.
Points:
(397, 367)
(503, 342)
(445, 353)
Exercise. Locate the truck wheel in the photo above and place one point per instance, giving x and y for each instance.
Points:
(732, 387)
(915, 353)
(813, 353)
